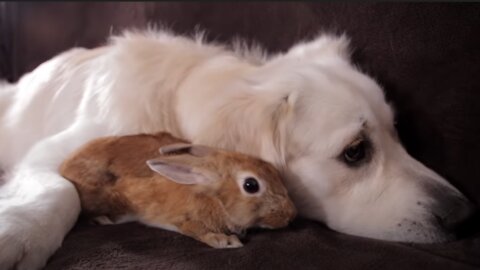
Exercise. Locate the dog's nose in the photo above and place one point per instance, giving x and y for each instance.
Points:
(455, 211)
(449, 208)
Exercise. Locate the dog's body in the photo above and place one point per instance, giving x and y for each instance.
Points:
(308, 111)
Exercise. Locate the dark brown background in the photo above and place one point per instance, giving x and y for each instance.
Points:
(426, 56)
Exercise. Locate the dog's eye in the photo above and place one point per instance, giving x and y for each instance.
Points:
(250, 185)
(355, 152)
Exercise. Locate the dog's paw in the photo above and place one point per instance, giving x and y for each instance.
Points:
(11, 250)
(22, 247)
(37, 209)
(29, 236)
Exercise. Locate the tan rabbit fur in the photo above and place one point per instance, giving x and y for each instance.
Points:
(192, 189)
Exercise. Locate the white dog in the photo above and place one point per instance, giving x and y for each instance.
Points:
(309, 111)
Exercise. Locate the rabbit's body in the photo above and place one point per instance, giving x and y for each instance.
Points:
(194, 190)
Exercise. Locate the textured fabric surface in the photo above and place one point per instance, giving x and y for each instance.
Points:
(304, 245)
(426, 56)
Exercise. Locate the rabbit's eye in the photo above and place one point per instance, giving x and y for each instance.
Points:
(251, 185)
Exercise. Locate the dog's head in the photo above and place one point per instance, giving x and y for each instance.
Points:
(328, 126)
(335, 138)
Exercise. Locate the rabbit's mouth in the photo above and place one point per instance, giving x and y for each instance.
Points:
(265, 223)
(265, 226)
(275, 221)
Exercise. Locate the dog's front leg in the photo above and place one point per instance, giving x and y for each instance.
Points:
(37, 206)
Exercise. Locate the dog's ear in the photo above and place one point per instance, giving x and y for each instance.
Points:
(321, 47)
(285, 104)
(281, 115)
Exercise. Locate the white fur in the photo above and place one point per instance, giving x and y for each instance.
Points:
(298, 110)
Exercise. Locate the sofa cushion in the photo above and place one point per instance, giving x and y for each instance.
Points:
(304, 245)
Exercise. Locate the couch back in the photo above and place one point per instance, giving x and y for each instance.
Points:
(425, 55)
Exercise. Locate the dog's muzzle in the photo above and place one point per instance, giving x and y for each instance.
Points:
(450, 210)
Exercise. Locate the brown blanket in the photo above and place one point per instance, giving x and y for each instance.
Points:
(305, 245)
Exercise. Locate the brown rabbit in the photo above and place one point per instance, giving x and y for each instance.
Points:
(202, 192)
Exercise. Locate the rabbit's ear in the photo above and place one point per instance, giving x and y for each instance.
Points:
(184, 148)
(177, 172)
